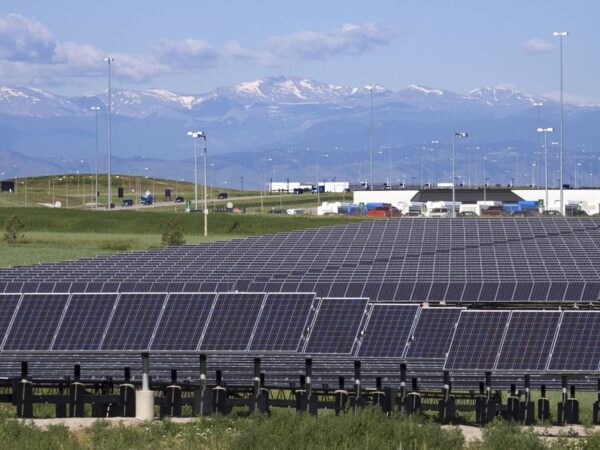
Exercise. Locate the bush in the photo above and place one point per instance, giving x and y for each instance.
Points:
(13, 230)
(172, 234)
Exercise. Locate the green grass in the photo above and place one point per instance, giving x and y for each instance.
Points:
(285, 429)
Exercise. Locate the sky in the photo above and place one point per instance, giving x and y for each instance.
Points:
(196, 46)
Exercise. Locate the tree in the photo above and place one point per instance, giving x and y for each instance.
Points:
(13, 230)
(172, 234)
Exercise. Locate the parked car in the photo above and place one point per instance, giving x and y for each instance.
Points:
(179, 199)
(111, 206)
(222, 196)
(127, 202)
(467, 214)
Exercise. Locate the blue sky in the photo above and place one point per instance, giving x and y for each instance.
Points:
(196, 46)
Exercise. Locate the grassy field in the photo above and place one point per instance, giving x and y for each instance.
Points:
(284, 429)
(58, 234)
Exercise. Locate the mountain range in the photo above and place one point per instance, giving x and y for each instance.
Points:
(267, 125)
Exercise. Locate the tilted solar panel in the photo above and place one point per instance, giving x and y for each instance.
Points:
(232, 321)
(387, 330)
(84, 322)
(528, 340)
(8, 305)
(477, 340)
(433, 333)
(35, 322)
(183, 321)
(133, 321)
(577, 346)
(336, 325)
(282, 322)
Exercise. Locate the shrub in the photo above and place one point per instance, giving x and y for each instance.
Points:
(13, 230)
(173, 233)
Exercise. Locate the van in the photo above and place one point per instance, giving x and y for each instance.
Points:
(127, 202)
(222, 196)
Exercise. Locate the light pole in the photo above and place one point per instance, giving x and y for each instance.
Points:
(537, 106)
(317, 178)
(389, 149)
(109, 60)
(484, 183)
(577, 175)
(463, 135)
(561, 35)
(545, 131)
(195, 135)
(435, 156)
(371, 153)
(96, 109)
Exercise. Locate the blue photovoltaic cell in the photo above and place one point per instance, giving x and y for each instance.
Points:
(36, 321)
(8, 303)
(133, 321)
(528, 340)
(282, 322)
(433, 333)
(336, 325)
(232, 321)
(183, 321)
(477, 340)
(388, 330)
(84, 322)
(577, 346)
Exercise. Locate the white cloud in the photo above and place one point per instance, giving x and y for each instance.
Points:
(30, 54)
(536, 46)
(350, 39)
(187, 54)
(23, 39)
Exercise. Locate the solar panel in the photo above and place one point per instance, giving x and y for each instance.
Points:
(183, 321)
(577, 346)
(8, 304)
(336, 325)
(528, 340)
(282, 322)
(232, 321)
(35, 322)
(387, 330)
(433, 333)
(133, 321)
(477, 340)
(84, 322)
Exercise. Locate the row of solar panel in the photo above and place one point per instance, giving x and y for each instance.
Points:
(565, 249)
(526, 341)
(491, 291)
(256, 322)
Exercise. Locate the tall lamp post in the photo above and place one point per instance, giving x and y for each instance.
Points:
(484, 184)
(537, 106)
(463, 135)
(545, 131)
(561, 35)
(196, 135)
(435, 157)
(109, 60)
(317, 178)
(96, 109)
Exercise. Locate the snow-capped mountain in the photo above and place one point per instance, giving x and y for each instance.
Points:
(22, 101)
(275, 113)
(274, 91)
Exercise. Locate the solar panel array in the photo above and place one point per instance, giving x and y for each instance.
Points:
(402, 260)
(526, 341)
(335, 293)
